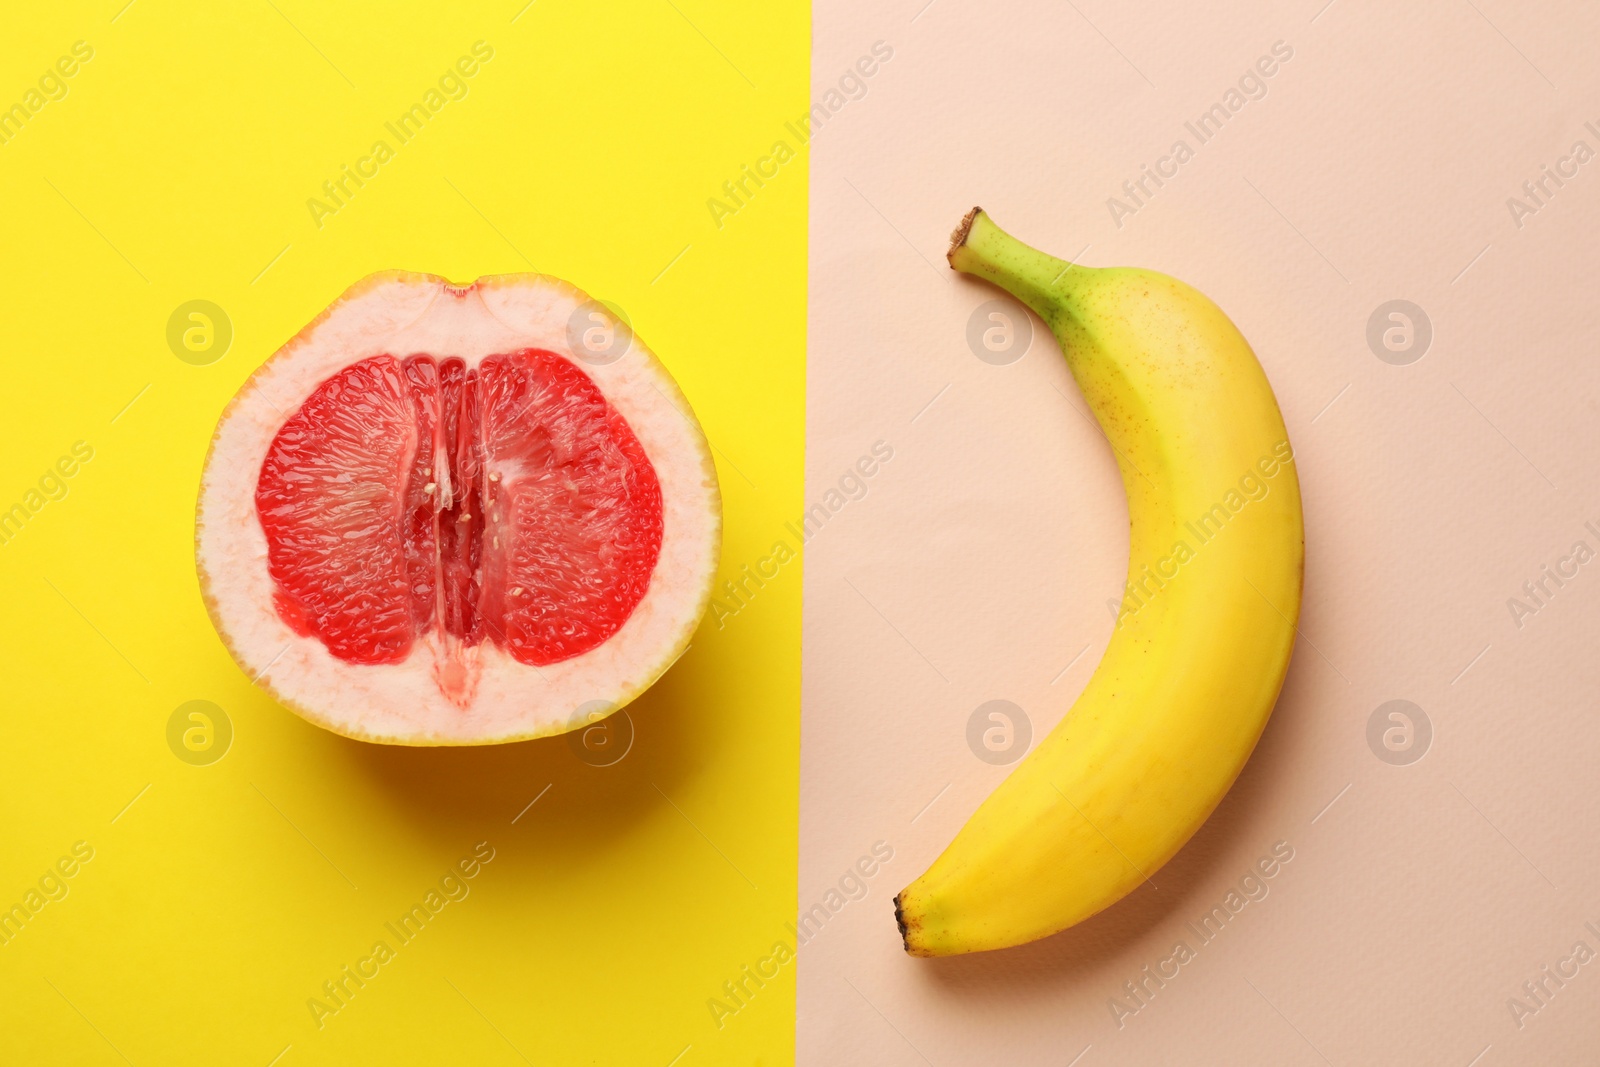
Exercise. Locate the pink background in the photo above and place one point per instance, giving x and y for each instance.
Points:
(978, 563)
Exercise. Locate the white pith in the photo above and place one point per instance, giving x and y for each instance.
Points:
(407, 314)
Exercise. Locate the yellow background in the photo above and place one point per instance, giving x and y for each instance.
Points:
(178, 168)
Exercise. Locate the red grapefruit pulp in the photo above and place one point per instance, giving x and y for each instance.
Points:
(455, 525)
(509, 503)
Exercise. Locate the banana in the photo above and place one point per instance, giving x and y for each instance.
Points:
(1206, 623)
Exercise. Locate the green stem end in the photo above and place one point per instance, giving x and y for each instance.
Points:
(980, 248)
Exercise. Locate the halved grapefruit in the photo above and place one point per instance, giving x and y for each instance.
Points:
(458, 514)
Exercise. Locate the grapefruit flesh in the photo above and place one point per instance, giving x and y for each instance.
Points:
(429, 520)
(509, 503)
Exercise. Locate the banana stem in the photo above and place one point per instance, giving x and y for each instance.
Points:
(980, 248)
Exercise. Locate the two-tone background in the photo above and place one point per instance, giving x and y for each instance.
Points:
(1399, 208)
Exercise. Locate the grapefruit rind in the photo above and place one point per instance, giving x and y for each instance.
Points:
(401, 313)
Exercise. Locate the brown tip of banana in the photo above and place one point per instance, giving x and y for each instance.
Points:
(900, 921)
(958, 236)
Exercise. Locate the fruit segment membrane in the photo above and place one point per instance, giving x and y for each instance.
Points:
(417, 499)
